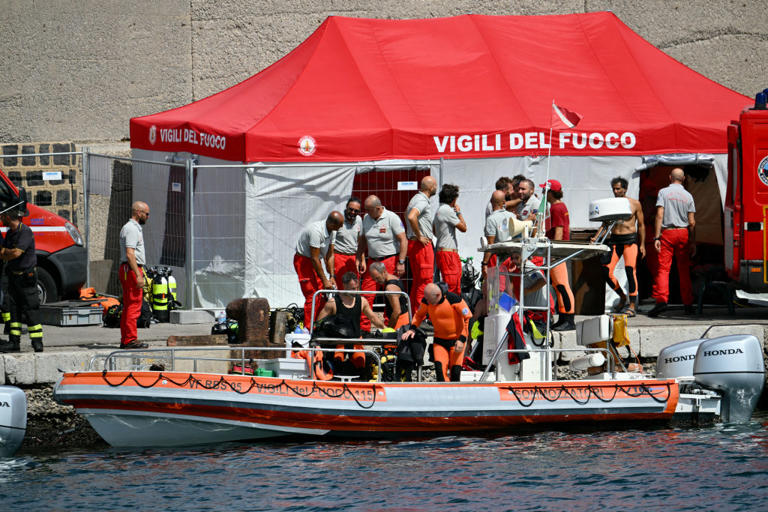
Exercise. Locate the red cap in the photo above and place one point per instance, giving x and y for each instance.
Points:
(554, 185)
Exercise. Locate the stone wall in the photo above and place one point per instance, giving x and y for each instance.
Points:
(63, 196)
(80, 69)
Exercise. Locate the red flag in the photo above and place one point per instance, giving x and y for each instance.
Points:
(564, 118)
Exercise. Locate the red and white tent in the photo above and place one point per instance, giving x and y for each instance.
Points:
(475, 91)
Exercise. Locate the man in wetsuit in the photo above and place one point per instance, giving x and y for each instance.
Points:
(347, 308)
(450, 318)
(626, 240)
(558, 228)
(396, 309)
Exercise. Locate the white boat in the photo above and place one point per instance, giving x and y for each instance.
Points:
(170, 397)
(13, 419)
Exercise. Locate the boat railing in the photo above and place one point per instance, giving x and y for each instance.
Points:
(552, 350)
(355, 292)
(144, 359)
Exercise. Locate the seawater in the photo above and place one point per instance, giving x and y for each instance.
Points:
(723, 467)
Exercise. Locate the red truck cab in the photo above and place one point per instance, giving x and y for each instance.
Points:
(61, 254)
(746, 202)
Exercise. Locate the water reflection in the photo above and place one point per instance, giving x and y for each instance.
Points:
(670, 469)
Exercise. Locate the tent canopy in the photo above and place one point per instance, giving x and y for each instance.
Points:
(463, 87)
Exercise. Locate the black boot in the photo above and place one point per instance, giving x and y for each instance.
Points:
(10, 346)
(566, 324)
(659, 308)
(37, 345)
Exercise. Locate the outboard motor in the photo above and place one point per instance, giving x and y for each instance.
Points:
(13, 419)
(677, 360)
(733, 365)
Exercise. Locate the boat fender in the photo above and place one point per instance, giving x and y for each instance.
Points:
(592, 360)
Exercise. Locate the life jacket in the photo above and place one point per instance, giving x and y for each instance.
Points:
(318, 365)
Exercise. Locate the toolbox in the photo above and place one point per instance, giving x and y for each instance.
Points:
(69, 313)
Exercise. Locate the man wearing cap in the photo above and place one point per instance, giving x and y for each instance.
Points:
(418, 227)
(18, 251)
(675, 223)
(447, 220)
(382, 239)
(558, 228)
(345, 246)
(316, 240)
(131, 274)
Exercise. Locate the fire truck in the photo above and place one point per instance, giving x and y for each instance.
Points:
(61, 254)
(746, 202)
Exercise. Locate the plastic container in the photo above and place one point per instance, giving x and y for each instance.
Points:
(301, 338)
(69, 316)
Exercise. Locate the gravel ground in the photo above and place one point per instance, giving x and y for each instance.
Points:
(52, 426)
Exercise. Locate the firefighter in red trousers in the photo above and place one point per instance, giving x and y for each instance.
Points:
(316, 241)
(382, 239)
(675, 223)
(421, 253)
(447, 220)
(450, 318)
(131, 273)
(345, 246)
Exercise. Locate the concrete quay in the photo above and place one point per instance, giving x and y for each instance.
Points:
(72, 348)
(648, 336)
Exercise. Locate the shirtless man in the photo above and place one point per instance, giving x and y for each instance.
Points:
(626, 239)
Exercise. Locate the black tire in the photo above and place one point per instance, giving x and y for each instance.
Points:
(46, 286)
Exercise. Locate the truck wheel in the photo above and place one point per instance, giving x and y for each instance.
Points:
(46, 286)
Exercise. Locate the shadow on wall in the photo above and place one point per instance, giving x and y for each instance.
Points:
(118, 214)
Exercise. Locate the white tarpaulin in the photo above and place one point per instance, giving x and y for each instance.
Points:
(247, 218)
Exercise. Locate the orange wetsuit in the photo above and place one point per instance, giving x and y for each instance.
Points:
(450, 318)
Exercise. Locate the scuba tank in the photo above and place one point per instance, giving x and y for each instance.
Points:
(174, 302)
(160, 295)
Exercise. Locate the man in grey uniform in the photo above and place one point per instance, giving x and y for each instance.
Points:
(500, 226)
(421, 254)
(675, 223)
(529, 203)
(316, 240)
(131, 274)
(447, 220)
(382, 239)
(345, 247)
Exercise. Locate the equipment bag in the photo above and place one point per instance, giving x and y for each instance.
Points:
(111, 316)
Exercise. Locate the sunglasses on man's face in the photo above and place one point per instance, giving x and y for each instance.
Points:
(353, 210)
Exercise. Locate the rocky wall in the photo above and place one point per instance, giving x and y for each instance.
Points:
(80, 69)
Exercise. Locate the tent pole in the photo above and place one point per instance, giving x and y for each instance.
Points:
(190, 266)
(85, 159)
